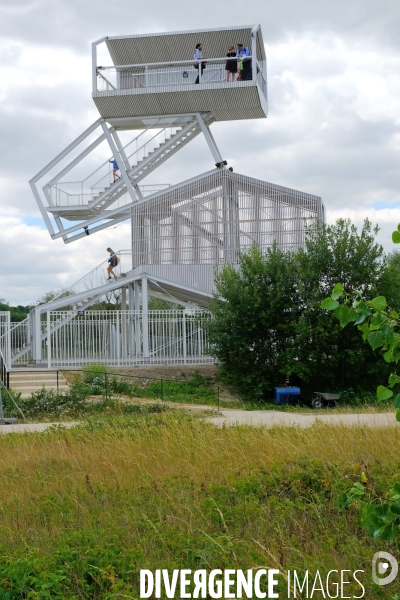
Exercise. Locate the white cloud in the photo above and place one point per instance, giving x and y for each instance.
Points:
(35, 264)
(333, 128)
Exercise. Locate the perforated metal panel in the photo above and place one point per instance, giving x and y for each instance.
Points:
(179, 45)
(209, 221)
(241, 101)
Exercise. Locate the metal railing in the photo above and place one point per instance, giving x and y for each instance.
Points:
(154, 75)
(98, 276)
(4, 372)
(85, 192)
(117, 338)
(5, 339)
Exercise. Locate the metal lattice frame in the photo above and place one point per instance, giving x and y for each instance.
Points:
(211, 220)
(181, 234)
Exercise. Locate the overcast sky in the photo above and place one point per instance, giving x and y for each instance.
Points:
(333, 127)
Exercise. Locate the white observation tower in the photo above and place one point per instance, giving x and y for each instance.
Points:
(150, 108)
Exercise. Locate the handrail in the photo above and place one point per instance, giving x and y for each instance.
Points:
(171, 63)
(106, 80)
(6, 388)
(4, 372)
(119, 253)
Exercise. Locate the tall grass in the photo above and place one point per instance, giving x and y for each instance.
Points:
(97, 503)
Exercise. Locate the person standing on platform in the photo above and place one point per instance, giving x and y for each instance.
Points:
(198, 56)
(243, 53)
(115, 169)
(231, 66)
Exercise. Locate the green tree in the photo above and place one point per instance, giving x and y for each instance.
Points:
(18, 313)
(389, 285)
(329, 356)
(255, 310)
(379, 325)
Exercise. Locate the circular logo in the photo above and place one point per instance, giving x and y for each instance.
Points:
(381, 561)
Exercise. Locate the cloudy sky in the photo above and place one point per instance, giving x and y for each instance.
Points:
(333, 128)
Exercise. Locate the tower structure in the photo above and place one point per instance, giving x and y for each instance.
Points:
(153, 99)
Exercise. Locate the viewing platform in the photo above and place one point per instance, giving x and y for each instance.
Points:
(154, 75)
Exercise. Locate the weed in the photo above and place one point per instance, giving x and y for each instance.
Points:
(87, 508)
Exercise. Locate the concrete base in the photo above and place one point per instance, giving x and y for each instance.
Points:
(8, 421)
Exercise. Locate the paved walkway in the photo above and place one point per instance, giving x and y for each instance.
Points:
(270, 418)
(25, 427)
(255, 418)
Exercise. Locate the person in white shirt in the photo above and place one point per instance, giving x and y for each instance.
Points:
(199, 58)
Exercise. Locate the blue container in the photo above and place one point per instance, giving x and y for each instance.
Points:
(287, 395)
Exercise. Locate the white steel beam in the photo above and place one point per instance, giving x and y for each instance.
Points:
(67, 150)
(117, 211)
(209, 139)
(77, 160)
(122, 169)
(145, 317)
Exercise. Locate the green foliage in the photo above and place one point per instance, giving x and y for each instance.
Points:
(255, 311)
(380, 518)
(329, 356)
(271, 317)
(380, 327)
(94, 371)
(18, 313)
(229, 522)
(123, 385)
(72, 404)
(197, 389)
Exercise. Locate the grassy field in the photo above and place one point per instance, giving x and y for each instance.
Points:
(84, 509)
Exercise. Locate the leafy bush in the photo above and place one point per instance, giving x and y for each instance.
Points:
(124, 386)
(195, 389)
(56, 404)
(94, 371)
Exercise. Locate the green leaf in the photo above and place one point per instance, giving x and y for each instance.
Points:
(395, 508)
(329, 304)
(394, 314)
(346, 315)
(376, 339)
(393, 379)
(383, 392)
(388, 356)
(396, 237)
(359, 486)
(395, 489)
(337, 291)
(379, 303)
(397, 401)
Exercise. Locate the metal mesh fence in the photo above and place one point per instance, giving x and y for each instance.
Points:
(118, 338)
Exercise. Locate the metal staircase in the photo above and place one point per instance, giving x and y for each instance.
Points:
(150, 161)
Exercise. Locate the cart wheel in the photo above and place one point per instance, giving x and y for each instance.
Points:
(317, 402)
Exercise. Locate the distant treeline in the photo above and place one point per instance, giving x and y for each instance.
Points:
(18, 313)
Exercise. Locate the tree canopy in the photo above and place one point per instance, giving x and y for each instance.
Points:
(267, 318)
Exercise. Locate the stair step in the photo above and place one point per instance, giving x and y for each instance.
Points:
(35, 388)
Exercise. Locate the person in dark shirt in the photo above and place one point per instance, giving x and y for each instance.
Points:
(231, 66)
(112, 262)
(243, 54)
